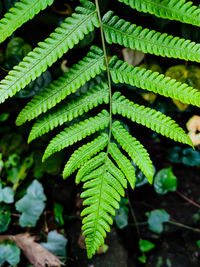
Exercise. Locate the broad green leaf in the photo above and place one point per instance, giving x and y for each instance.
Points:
(165, 181)
(198, 243)
(5, 219)
(31, 205)
(156, 218)
(9, 252)
(145, 245)
(6, 194)
(56, 243)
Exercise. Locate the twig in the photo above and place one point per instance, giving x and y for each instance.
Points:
(188, 200)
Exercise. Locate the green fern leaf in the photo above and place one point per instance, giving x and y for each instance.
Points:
(64, 38)
(101, 195)
(77, 132)
(135, 150)
(180, 10)
(150, 118)
(72, 109)
(84, 153)
(77, 76)
(119, 31)
(121, 72)
(22, 12)
(123, 163)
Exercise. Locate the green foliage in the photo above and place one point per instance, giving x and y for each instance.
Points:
(31, 205)
(9, 252)
(150, 118)
(180, 10)
(5, 217)
(121, 72)
(6, 194)
(165, 181)
(22, 12)
(135, 150)
(156, 218)
(47, 52)
(119, 31)
(145, 245)
(186, 156)
(102, 166)
(56, 243)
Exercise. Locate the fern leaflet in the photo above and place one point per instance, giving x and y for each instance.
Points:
(180, 10)
(84, 153)
(22, 12)
(150, 118)
(121, 72)
(135, 150)
(70, 110)
(77, 132)
(119, 31)
(77, 76)
(64, 38)
(123, 163)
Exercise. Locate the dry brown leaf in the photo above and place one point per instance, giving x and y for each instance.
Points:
(132, 57)
(34, 252)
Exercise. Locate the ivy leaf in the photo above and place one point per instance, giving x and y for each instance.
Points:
(165, 181)
(145, 245)
(121, 217)
(6, 194)
(5, 219)
(191, 157)
(9, 252)
(156, 218)
(187, 156)
(56, 243)
(31, 205)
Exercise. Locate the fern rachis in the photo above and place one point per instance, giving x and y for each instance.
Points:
(102, 166)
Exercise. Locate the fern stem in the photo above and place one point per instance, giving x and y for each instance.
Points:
(107, 68)
(110, 116)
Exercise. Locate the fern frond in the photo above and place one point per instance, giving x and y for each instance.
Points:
(102, 193)
(84, 153)
(150, 118)
(64, 38)
(77, 132)
(134, 148)
(77, 76)
(70, 110)
(121, 72)
(123, 163)
(119, 31)
(180, 10)
(22, 12)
